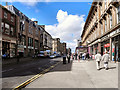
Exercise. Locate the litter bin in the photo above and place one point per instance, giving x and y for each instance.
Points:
(64, 59)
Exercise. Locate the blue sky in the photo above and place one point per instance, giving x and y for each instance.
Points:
(64, 20)
(45, 12)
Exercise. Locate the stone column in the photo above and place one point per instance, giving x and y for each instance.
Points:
(111, 49)
(99, 47)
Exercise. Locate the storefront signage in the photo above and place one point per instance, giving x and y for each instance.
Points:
(20, 50)
(30, 47)
(105, 37)
(20, 46)
(107, 45)
(115, 32)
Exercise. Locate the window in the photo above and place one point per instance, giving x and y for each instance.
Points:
(5, 15)
(118, 14)
(36, 32)
(12, 19)
(101, 29)
(101, 9)
(105, 25)
(36, 44)
(105, 4)
(11, 31)
(111, 21)
(2, 27)
(7, 31)
(29, 28)
(24, 40)
(30, 41)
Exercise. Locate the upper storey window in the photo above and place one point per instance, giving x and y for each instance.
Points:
(5, 15)
(118, 14)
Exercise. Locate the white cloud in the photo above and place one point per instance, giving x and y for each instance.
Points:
(68, 29)
(33, 19)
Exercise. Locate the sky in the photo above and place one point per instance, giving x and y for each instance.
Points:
(64, 20)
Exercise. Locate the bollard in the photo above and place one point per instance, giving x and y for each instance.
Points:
(64, 60)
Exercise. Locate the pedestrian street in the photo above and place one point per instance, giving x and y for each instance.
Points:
(79, 74)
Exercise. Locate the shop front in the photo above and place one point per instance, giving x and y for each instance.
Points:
(8, 49)
(116, 48)
(30, 51)
(21, 50)
(105, 46)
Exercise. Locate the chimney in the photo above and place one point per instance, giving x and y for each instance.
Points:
(36, 22)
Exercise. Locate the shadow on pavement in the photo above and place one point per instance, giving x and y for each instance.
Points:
(108, 68)
(63, 67)
(27, 68)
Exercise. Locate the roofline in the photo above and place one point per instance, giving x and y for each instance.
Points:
(89, 14)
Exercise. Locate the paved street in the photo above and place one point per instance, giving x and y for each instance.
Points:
(15, 74)
(77, 74)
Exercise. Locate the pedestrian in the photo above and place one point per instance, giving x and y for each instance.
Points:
(83, 56)
(68, 57)
(106, 58)
(76, 56)
(98, 59)
(18, 58)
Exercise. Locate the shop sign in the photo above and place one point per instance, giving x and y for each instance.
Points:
(20, 50)
(20, 46)
(115, 32)
(105, 37)
(107, 45)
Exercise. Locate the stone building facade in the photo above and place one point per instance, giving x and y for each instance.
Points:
(8, 32)
(58, 47)
(21, 35)
(101, 31)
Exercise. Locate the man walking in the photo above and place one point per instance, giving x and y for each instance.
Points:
(106, 58)
(98, 59)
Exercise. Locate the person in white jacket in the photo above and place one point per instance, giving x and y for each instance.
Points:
(98, 59)
(106, 58)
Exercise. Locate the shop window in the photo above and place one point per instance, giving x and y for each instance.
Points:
(5, 15)
(32, 42)
(7, 27)
(11, 31)
(110, 20)
(12, 19)
(118, 14)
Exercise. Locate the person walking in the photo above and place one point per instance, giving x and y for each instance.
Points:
(83, 56)
(76, 56)
(18, 58)
(98, 59)
(68, 57)
(106, 58)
